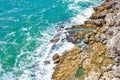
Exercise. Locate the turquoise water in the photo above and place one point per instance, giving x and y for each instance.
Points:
(26, 26)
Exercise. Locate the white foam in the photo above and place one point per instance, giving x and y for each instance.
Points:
(11, 33)
(7, 76)
(76, 1)
(79, 19)
(1, 69)
(46, 50)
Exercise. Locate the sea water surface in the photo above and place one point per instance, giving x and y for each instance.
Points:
(26, 27)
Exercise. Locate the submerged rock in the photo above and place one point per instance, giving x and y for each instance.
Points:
(47, 62)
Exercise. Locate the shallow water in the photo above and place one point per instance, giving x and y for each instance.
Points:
(26, 26)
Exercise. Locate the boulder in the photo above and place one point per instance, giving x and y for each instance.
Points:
(55, 56)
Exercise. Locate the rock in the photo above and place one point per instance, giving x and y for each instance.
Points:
(117, 59)
(107, 76)
(87, 35)
(110, 4)
(104, 29)
(86, 63)
(74, 40)
(116, 70)
(116, 7)
(102, 14)
(103, 68)
(111, 55)
(97, 37)
(66, 69)
(104, 42)
(110, 32)
(98, 22)
(54, 40)
(86, 38)
(93, 75)
(111, 10)
(55, 56)
(117, 19)
(91, 38)
(94, 31)
(101, 54)
(109, 67)
(47, 62)
(88, 22)
(113, 44)
(99, 8)
(107, 61)
(110, 19)
(57, 61)
(103, 37)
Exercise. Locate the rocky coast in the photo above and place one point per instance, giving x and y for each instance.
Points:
(100, 58)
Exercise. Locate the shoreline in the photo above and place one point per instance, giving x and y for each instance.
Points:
(100, 59)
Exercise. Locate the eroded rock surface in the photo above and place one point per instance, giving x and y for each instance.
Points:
(100, 60)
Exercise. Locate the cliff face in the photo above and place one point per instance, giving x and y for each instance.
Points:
(100, 59)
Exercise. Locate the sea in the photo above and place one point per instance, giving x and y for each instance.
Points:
(26, 28)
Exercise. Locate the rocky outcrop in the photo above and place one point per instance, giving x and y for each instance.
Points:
(56, 58)
(100, 59)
